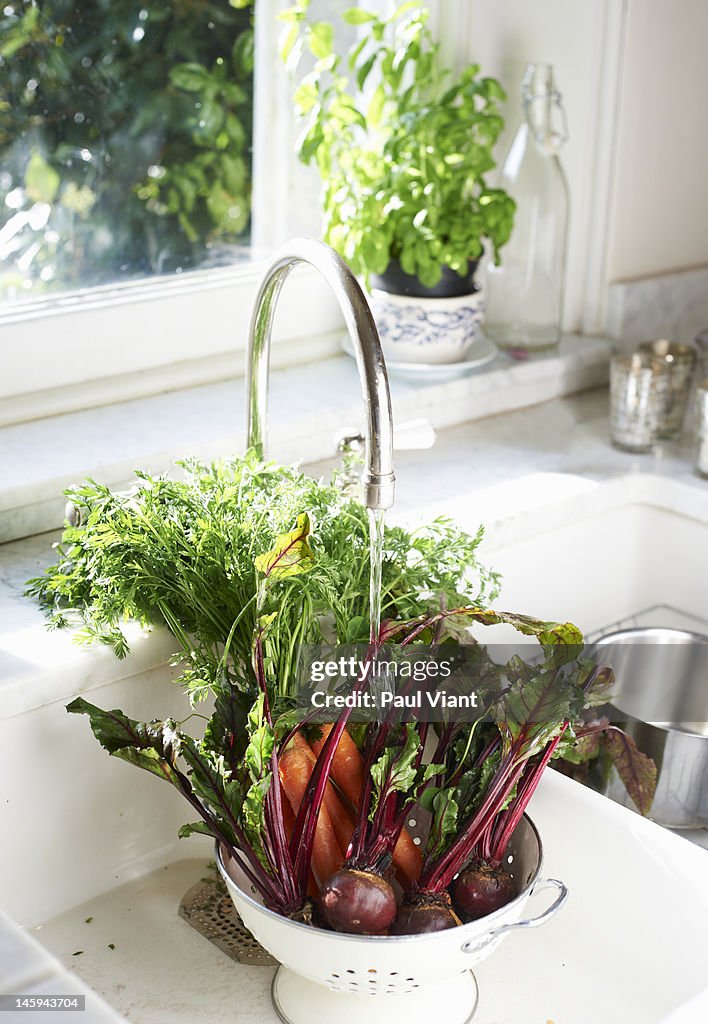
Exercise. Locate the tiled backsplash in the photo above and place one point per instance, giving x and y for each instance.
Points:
(673, 306)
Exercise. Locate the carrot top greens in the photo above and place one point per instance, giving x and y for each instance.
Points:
(185, 553)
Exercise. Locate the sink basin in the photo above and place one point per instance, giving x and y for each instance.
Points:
(84, 836)
(594, 553)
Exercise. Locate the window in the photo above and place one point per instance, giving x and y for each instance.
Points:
(126, 135)
(133, 136)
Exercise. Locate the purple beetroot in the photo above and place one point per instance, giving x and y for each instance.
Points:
(358, 902)
(423, 913)
(481, 889)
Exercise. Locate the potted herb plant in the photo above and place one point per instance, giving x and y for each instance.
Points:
(403, 145)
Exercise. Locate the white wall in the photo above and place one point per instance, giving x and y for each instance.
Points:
(634, 77)
(660, 208)
(581, 38)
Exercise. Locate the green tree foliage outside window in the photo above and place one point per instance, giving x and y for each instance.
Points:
(125, 138)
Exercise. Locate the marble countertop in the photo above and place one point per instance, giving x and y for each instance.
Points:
(491, 470)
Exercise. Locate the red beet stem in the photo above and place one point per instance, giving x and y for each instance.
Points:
(440, 874)
(304, 831)
(505, 823)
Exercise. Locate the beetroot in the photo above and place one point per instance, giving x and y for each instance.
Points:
(359, 902)
(481, 889)
(425, 912)
(397, 890)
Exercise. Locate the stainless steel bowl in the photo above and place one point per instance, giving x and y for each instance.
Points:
(661, 694)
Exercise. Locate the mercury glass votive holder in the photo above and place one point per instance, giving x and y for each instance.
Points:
(638, 388)
(701, 463)
(680, 362)
(701, 343)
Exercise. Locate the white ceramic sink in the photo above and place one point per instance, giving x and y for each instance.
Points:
(592, 553)
(629, 948)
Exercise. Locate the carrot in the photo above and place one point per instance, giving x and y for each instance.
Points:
(348, 773)
(347, 767)
(407, 857)
(295, 770)
(342, 821)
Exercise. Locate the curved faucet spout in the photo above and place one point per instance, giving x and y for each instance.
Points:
(378, 478)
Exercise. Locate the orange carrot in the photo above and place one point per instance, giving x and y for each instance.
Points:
(295, 770)
(407, 857)
(348, 765)
(348, 773)
(342, 821)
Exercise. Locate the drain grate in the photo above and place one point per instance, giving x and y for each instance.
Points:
(209, 909)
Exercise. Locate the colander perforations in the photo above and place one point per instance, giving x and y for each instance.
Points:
(372, 981)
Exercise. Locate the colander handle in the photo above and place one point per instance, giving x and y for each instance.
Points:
(473, 945)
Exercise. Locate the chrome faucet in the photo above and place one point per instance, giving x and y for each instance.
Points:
(378, 479)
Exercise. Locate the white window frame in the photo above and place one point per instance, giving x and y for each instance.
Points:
(115, 342)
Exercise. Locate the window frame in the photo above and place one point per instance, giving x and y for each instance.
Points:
(138, 337)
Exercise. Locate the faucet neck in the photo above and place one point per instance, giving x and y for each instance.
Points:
(378, 478)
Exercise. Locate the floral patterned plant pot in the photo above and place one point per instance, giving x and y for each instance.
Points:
(415, 330)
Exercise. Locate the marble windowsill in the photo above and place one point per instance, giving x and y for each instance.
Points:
(310, 405)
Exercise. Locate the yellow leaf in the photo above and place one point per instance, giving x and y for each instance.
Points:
(292, 554)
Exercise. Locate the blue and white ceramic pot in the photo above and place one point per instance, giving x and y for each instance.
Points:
(427, 330)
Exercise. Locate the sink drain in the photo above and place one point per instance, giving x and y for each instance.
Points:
(209, 909)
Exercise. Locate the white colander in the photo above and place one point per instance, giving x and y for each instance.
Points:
(335, 975)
